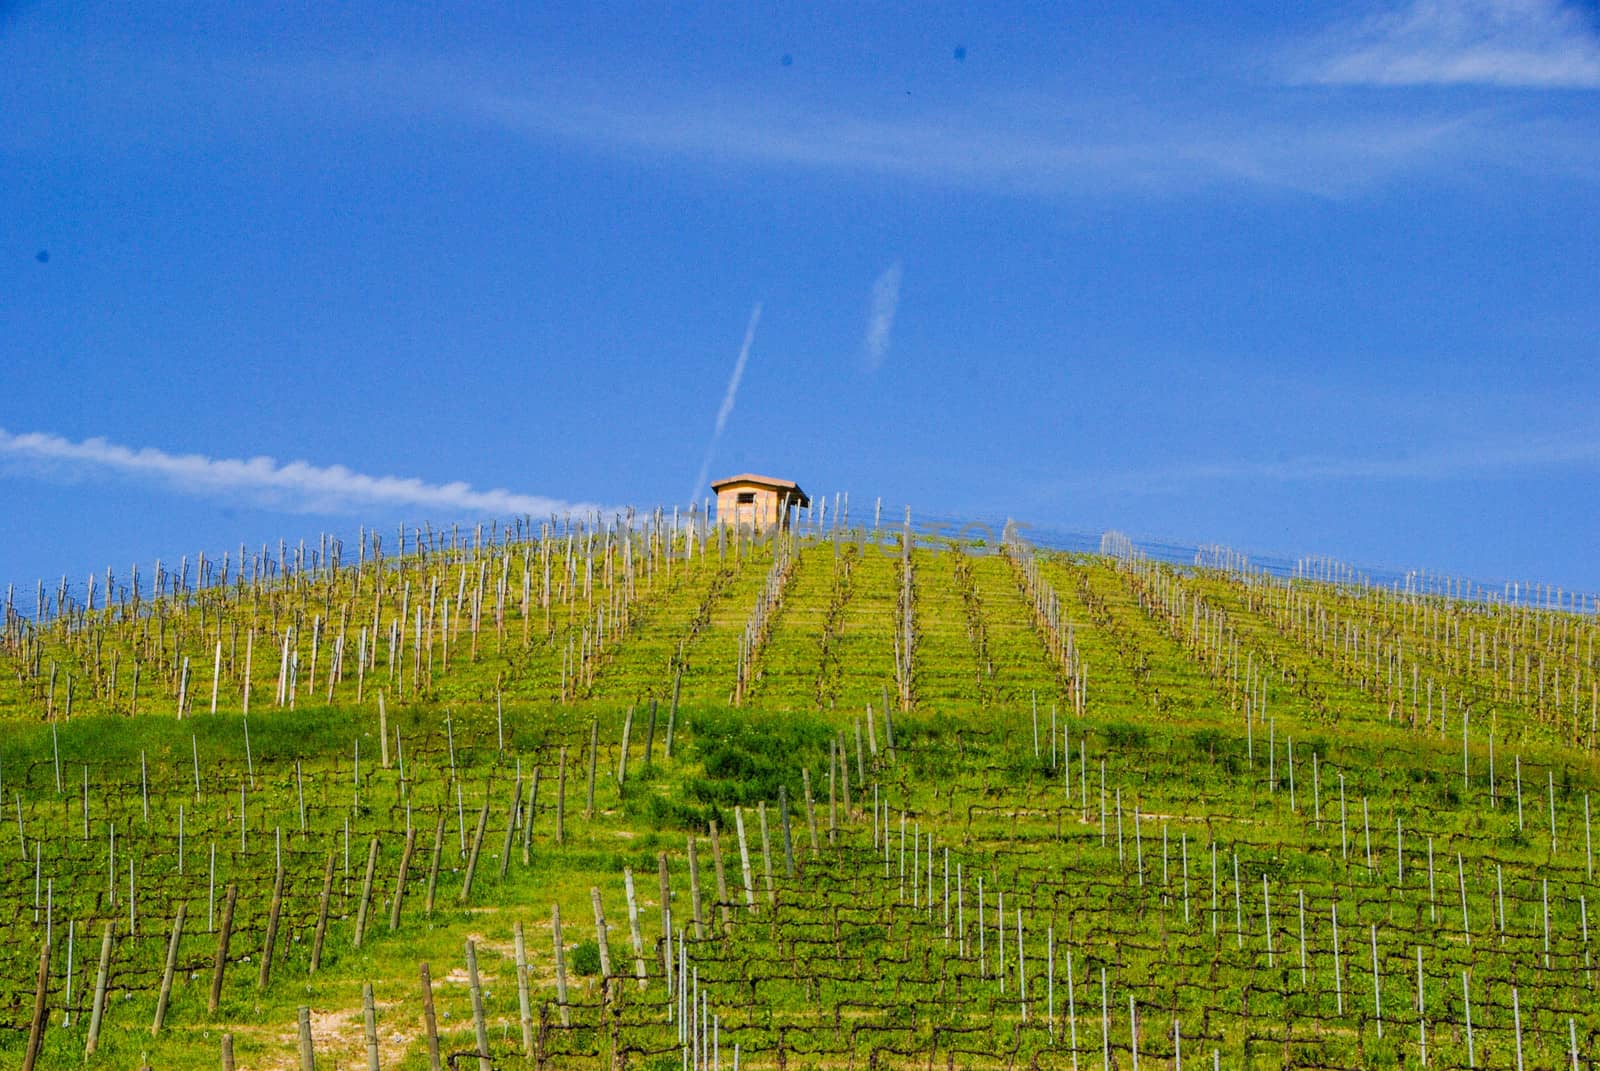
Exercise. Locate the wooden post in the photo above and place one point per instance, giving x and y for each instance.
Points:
(561, 799)
(561, 964)
(430, 1022)
(477, 846)
(272, 931)
(475, 989)
(633, 927)
(744, 858)
(524, 1008)
(694, 891)
(97, 1013)
(528, 813)
(433, 866)
(308, 1056)
(322, 915)
(672, 711)
(227, 1053)
(722, 879)
(601, 939)
(224, 935)
(383, 730)
(666, 900)
(511, 825)
(369, 1023)
(36, 1028)
(594, 755)
(366, 893)
(400, 879)
(622, 762)
(171, 965)
(766, 853)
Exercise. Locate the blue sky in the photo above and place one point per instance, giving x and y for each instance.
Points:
(1317, 281)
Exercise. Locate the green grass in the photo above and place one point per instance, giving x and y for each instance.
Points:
(852, 957)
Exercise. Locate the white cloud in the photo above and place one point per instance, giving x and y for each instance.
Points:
(999, 140)
(297, 486)
(1526, 43)
(880, 320)
(1017, 146)
(725, 410)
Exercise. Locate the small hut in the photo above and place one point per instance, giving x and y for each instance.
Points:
(758, 503)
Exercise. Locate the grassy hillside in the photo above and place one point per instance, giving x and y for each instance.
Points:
(960, 805)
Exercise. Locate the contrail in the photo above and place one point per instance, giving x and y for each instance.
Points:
(880, 321)
(727, 402)
(297, 485)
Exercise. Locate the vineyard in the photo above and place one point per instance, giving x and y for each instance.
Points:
(662, 796)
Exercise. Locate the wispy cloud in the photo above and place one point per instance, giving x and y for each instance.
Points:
(1008, 141)
(1466, 461)
(880, 319)
(1526, 43)
(1020, 146)
(725, 410)
(296, 486)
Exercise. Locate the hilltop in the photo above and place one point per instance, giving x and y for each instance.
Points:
(843, 797)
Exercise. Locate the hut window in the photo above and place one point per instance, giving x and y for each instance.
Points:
(747, 498)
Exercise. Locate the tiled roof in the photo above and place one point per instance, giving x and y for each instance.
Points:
(763, 481)
(750, 477)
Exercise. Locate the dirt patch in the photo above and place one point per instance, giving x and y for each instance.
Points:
(339, 1037)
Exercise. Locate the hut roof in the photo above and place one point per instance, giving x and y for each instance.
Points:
(763, 481)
